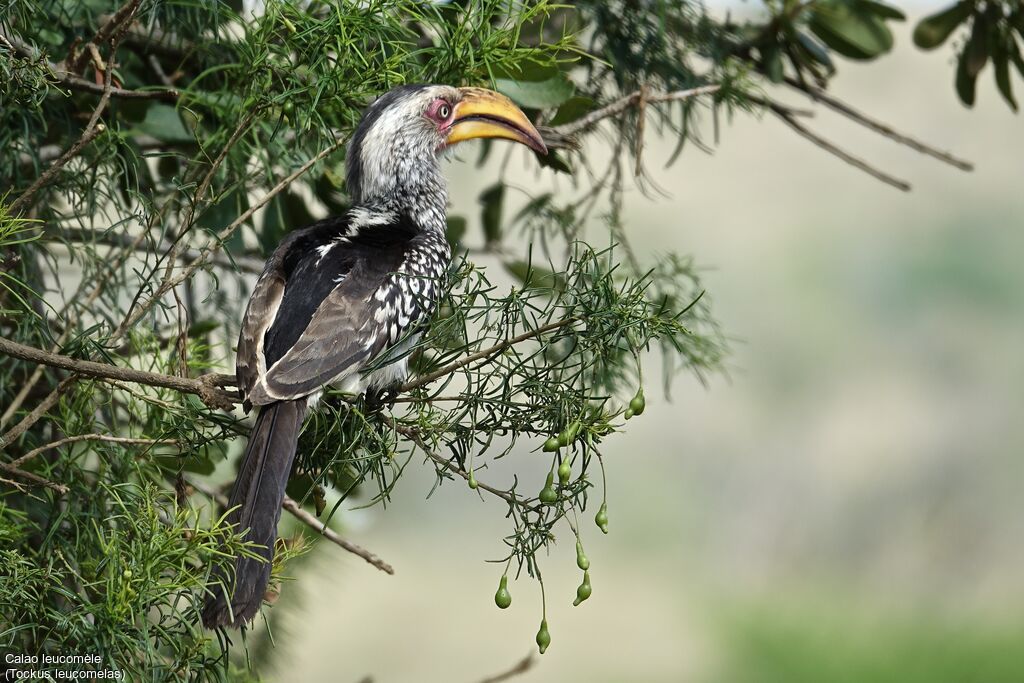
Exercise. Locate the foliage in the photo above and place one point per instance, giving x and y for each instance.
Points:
(157, 150)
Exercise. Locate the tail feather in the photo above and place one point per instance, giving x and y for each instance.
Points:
(256, 501)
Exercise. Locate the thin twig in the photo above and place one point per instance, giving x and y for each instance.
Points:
(89, 437)
(104, 33)
(312, 522)
(74, 82)
(497, 348)
(819, 95)
(417, 438)
(620, 105)
(88, 135)
(133, 316)
(34, 478)
(829, 147)
(206, 387)
(294, 509)
(48, 402)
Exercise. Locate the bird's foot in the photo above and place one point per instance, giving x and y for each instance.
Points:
(376, 398)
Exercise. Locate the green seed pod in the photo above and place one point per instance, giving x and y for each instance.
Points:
(563, 439)
(601, 519)
(584, 590)
(582, 561)
(127, 573)
(571, 432)
(564, 472)
(503, 598)
(548, 494)
(551, 445)
(629, 413)
(638, 403)
(472, 480)
(543, 637)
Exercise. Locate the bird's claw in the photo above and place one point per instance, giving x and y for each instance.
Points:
(376, 399)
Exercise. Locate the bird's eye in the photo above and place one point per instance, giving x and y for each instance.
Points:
(444, 110)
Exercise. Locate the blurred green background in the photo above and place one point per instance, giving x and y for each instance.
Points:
(845, 505)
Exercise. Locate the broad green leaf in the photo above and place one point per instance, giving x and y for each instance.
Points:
(163, 123)
(492, 200)
(965, 82)
(883, 10)
(1001, 62)
(1017, 58)
(978, 47)
(851, 33)
(537, 94)
(573, 109)
(555, 162)
(933, 30)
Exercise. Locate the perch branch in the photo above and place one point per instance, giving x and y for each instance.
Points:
(206, 387)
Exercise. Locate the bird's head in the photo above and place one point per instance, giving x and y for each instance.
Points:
(395, 150)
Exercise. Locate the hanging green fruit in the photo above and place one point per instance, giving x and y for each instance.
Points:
(637, 404)
(601, 519)
(564, 472)
(582, 561)
(503, 598)
(584, 590)
(543, 637)
(548, 494)
(551, 445)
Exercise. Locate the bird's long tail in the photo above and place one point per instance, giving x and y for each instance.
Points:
(256, 499)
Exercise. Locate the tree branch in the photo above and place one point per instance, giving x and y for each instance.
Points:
(624, 103)
(133, 316)
(88, 437)
(791, 121)
(93, 129)
(417, 438)
(321, 528)
(837, 105)
(33, 478)
(75, 82)
(206, 387)
(479, 355)
(312, 522)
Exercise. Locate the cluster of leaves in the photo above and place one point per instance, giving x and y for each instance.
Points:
(112, 573)
(804, 33)
(991, 27)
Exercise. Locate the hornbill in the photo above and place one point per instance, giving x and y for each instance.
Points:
(335, 295)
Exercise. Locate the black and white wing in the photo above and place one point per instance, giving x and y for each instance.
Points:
(337, 301)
